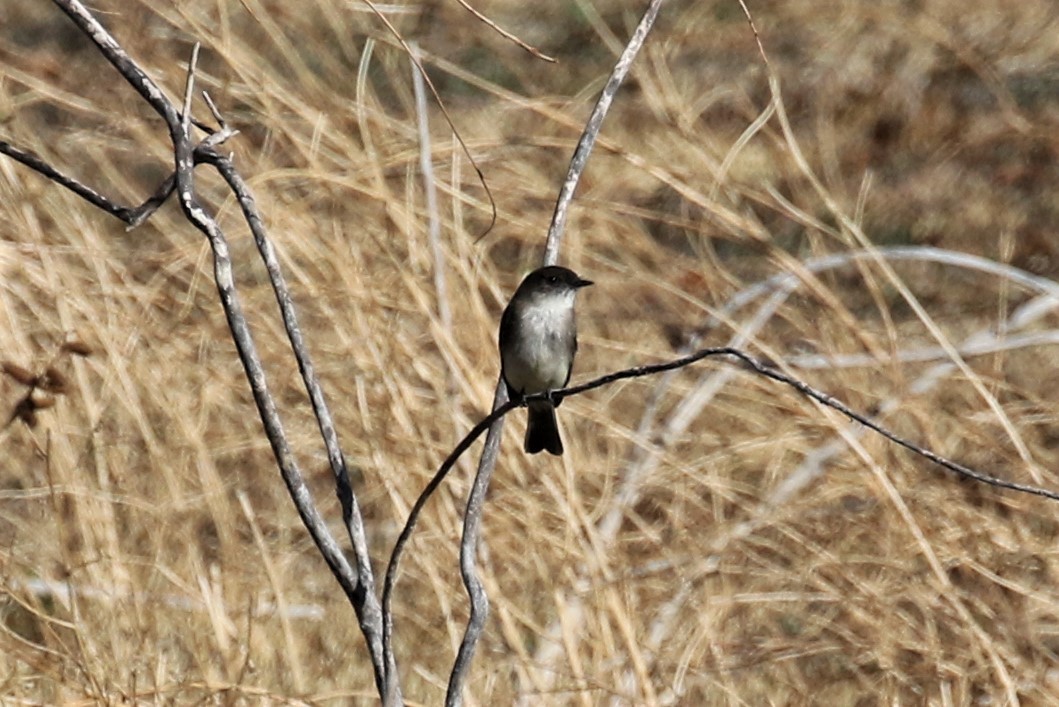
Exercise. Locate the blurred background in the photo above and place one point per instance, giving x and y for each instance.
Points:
(709, 537)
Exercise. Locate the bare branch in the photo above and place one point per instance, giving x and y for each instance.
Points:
(132, 216)
(357, 584)
(472, 517)
(362, 591)
(472, 524)
(819, 396)
(493, 422)
(90, 195)
(774, 290)
(592, 128)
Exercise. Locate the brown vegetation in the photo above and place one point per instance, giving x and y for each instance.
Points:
(148, 486)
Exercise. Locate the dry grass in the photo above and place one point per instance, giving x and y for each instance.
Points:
(150, 486)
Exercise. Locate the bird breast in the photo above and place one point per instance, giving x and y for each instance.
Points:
(546, 338)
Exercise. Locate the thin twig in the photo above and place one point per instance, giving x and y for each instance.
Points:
(358, 583)
(752, 363)
(90, 195)
(776, 290)
(502, 407)
(592, 128)
(472, 525)
(817, 395)
(132, 216)
(363, 596)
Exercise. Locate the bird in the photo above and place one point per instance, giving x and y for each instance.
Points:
(538, 342)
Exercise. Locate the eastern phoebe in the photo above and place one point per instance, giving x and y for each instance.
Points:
(538, 340)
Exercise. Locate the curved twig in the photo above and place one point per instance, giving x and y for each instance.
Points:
(390, 580)
(819, 396)
(472, 524)
(749, 361)
(772, 291)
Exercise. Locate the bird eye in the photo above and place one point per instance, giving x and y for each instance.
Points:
(553, 279)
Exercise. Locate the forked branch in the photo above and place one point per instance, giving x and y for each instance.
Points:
(357, 583)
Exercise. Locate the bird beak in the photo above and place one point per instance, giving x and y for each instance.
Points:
(583, 283)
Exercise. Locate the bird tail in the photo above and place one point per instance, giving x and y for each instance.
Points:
(542, 430)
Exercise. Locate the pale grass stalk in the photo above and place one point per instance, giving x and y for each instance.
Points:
(815, 461)
(782, 204)
(640, 689)
(457, 198)
(892, 278)
(691, 656)
(606, 653)
(946, 694)
(293, 655)
(979, 345)
(662, 630)
(53, 93)
(569, 631)
(223, 628)
(426, 166)
(929, 554)
(739, 145)
(862, 196)
(363, 92)
(781, 287)
(1047, 602)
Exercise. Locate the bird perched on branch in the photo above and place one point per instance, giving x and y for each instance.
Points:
(538, 341)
